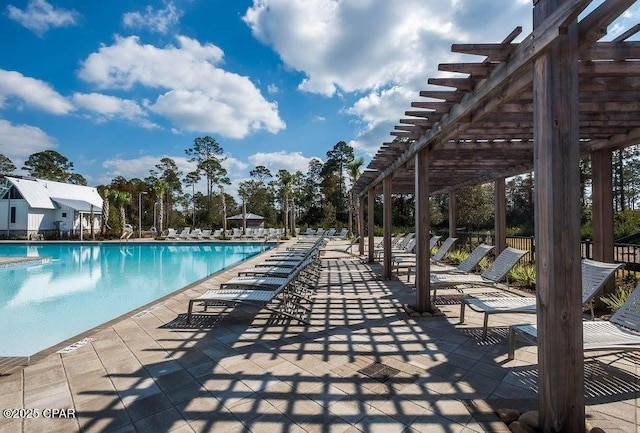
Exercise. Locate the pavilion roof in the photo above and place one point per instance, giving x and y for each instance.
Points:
(479, 126)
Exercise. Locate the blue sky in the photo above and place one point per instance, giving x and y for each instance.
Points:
(115, 86)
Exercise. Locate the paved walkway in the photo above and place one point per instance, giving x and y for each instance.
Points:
(244, 370)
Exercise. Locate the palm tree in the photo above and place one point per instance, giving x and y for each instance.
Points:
(286, 181)
(221, 182)
(160, 187)
(353, 169)
(105, 213)
(119, 199)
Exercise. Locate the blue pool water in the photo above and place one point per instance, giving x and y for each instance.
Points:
(86, 285)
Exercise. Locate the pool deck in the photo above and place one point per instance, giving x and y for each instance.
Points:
(248, 371)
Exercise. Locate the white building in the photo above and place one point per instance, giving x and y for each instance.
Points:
(29, 206)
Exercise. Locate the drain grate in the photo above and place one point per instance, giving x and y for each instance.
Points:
(379, 371)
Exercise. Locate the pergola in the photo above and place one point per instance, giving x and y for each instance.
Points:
(536, 105)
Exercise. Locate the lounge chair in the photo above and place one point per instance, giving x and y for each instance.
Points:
(400, 245)
(262, 290)
(437, 257)
(620, 333)
(331, 232)
(490, 277)
(185, 233)
(244, 295)
(171, 234)
(206, 234)
(466, 266)
(195, 234)
(320, 231)
(343, 234)
(594, 275)
(217, 234)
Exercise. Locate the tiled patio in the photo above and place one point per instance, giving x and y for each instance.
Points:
(244, 370)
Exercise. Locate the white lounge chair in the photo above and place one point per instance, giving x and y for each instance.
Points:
(594, 275)
(400, 245)
(620, 333)
(490, 277)
(185, 233)
(217, 234)
(331, 232)
(206, 234)
(195, 234)
(171, 234)
(466, 266)
(410, 262)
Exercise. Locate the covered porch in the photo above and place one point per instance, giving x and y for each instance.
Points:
(538, 105)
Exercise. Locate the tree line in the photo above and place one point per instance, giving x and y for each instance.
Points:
(167, 197)
(318, 197)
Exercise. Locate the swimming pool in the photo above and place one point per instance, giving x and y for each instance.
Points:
(85, 285)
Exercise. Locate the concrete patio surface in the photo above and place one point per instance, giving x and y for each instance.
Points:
(244, 370)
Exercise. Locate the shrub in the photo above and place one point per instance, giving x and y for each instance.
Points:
(457, 256)
(524, 275)
(484, 264)
(615, 300)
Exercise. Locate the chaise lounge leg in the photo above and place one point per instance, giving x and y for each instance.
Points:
(191, 301)
(512, 343)
(484, 327)
(462, 308)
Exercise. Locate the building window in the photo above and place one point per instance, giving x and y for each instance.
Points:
(64, 214)
(13, 214)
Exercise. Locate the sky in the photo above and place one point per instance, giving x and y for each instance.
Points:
(115, 86)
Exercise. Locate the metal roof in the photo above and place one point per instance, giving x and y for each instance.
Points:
(250, 216)
(41, 194)
(479, 126)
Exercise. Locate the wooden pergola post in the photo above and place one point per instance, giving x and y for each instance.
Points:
(557, 223)
(370, 223)
(602, 208)
(423, 223)
(500, 216)
(453, 211)
(386, 223)
(361, 226)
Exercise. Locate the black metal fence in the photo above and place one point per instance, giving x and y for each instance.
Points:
(629, 254)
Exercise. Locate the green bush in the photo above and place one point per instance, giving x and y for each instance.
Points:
(615, 300)
(457, 256)
(525, 275)
(484, 264)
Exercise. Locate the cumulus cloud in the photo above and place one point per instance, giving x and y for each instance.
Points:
(107, 107)
(274, 161)
(375, 50)
(139, 167)
(198, 95)
(156, 20)
(20, 141)
(35, 93)
(272, 88)
(40, 16)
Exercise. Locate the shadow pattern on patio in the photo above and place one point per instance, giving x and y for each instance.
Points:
(248, 370)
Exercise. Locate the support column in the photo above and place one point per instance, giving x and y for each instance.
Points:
(361, 226)
(453, 211)
(422, 219)
(557, 223)
(500, 216)
(602, 208)
(386, 223)
(371, 223)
